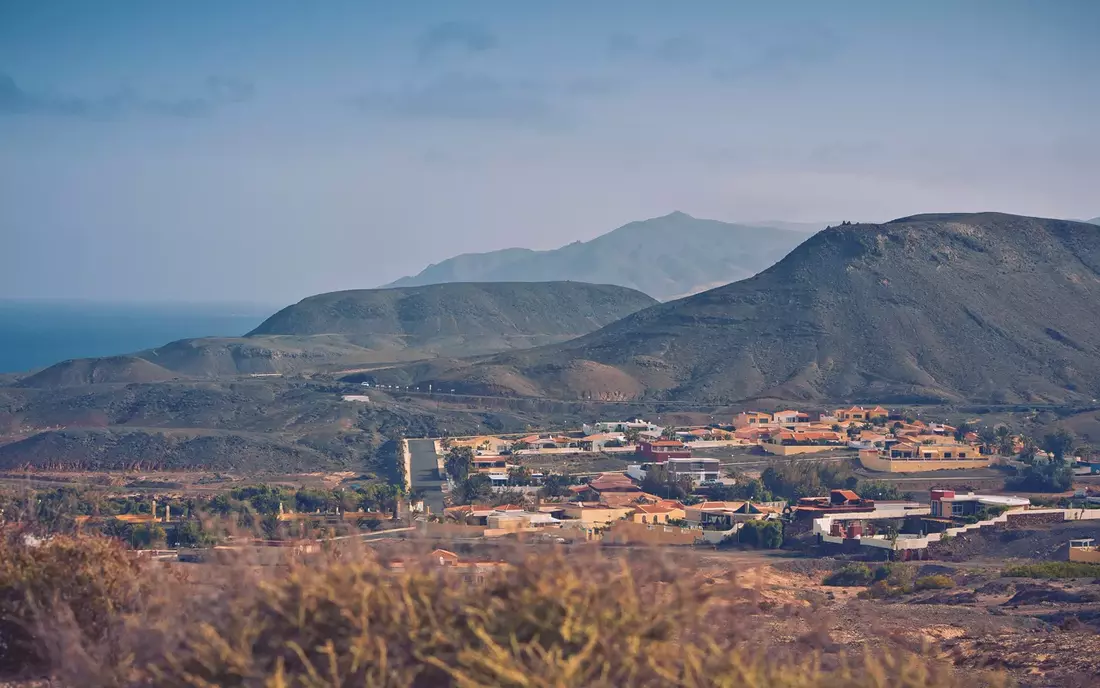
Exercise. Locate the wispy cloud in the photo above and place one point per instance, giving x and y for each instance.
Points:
(469, 97)
(803, 46)
(680, 49)
(456, 37)
(217, 92)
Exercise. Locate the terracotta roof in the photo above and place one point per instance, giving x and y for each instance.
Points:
(666, 443)
(809, 435)
(847, 494)
(652, 509)
(718, 505)
(602, 436)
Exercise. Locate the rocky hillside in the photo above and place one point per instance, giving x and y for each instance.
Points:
(666, 257)
(986, 307)
(248, 426)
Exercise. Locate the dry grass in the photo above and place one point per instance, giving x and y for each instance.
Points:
(550, 620)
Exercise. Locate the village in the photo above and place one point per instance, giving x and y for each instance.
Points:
(676, 490)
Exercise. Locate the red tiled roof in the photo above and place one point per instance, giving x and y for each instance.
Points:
(847, 494)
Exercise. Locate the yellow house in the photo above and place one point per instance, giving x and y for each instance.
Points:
(484, 444)
(751, 419)
(655, 513)
(1084, 550)
(594, 514)
(858, 414)
(924, 453)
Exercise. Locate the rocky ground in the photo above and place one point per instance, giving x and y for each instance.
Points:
(1039, 633)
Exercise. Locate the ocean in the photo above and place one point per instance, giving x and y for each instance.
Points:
(34, 334)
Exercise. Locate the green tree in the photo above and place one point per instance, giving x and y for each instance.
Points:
(519, 475)
(658, 481)
(311, 500)
(474, 489)
(879, 490)
(761, 534)
(190, 534)
(962, 430)
(148, 536)
(1046, 476)
(555, 485)
(458, 462)
(1059, 443)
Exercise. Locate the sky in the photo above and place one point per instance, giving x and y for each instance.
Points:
(268, 150)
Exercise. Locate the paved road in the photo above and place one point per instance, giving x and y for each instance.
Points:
(425, 473)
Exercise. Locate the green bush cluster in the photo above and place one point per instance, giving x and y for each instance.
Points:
(1055, 569)
(935, 582)
(761, 534)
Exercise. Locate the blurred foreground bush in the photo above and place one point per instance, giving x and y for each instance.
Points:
(345, 619)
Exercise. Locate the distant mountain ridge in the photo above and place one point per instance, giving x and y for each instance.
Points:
(982, 307)
(666, 257)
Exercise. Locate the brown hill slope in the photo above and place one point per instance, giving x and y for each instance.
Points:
(986, 306)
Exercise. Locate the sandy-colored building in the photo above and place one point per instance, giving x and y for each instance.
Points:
(1084, 550)
(751, 419)
(654, 513)
(486, 445)
(859, 414)
(924, 453)
(594, 513)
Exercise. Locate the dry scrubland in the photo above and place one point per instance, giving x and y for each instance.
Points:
(83, 610)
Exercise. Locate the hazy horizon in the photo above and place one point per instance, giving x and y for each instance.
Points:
(265, 151)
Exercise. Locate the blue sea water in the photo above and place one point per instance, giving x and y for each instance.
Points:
(34, 334)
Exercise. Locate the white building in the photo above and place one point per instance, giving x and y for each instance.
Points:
(604, 426)
(699, 470)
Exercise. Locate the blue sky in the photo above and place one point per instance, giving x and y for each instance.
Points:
(269, 150)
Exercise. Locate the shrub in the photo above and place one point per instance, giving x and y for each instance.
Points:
(935, 582)
(1055, 569)
(547, 620)
(762, 534)
(852, 574)
(91, 579)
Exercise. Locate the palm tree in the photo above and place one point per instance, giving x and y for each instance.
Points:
(988, 437)
(1027, 453)
(1005, 441)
